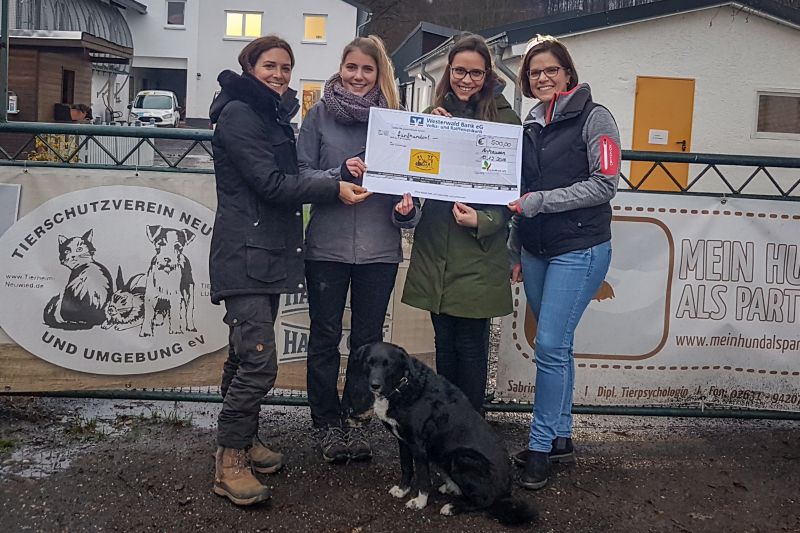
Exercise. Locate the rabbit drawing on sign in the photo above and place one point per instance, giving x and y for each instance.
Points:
(125, 308)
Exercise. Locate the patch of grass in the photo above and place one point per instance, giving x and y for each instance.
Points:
(172, 418)
(7, 446)
(157, 416)
(83, 427)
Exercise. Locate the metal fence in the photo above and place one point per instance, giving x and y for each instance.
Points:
(125, 147)
(48, 145)
(105, 150)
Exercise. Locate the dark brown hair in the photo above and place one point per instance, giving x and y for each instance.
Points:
(250, 53)
(538, 45)
(373, 47)
(468, 42)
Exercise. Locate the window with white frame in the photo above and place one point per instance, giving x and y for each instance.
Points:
(778, 115)
(315, 28)
(242, 24)
(176, 13)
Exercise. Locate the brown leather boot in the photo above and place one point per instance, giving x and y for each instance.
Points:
(264, 460)
(234, 479)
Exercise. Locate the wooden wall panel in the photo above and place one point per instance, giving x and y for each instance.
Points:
(51, 67)
(23, 73)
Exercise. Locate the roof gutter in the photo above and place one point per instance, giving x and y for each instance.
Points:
(442, 49)
(367, 20)
(428, 77)
(131, 4)
(500, 47)
(755, 11)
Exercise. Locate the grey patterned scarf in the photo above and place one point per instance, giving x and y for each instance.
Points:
(347, 107)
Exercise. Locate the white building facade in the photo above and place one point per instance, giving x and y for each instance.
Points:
(182, 45)
(738, 60)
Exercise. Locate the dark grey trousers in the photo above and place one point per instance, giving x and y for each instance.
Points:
(251, 368)
(370, 290)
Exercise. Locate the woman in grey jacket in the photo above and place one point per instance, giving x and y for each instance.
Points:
(355, 248)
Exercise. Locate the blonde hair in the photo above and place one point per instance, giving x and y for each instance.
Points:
(374, 48)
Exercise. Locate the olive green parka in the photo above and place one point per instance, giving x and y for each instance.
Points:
(455, 270)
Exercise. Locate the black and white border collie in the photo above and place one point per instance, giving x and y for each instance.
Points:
(434, 423)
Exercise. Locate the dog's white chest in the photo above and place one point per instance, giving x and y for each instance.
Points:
(381, 408)
(166, 283)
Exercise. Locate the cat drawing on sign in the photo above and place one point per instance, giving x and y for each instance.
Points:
(81, 305)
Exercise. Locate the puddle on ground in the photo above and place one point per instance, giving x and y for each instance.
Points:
(86, 423)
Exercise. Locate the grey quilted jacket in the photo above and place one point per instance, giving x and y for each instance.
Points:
(368, 232)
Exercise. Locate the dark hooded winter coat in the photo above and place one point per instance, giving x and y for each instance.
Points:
(257, 244)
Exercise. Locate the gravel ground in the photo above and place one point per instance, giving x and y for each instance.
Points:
(94, 465)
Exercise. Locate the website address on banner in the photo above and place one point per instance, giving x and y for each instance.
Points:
(731, 340)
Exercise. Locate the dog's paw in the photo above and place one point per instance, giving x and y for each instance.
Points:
(448, 487)
(175, 332)
(397, 492)
(191, 329)
(447, 509)
(146, 334)
(419, 502)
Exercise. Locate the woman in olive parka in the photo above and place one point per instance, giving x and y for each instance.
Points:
(459, 269)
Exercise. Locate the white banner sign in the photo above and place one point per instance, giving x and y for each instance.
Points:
(701, 306)
(9, 205)
(293, 327)
(111, 280)
(454, 159)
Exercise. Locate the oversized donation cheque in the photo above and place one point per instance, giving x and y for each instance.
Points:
(432, 156)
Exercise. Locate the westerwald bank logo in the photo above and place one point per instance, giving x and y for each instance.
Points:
(111, 280)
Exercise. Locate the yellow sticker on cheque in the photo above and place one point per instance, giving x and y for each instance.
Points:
(424, 161)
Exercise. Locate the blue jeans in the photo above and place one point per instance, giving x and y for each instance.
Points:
(558, 290)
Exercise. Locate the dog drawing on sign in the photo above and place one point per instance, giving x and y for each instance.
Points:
(169, 286)
(434, 424)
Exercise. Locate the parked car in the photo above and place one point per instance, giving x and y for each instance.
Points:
(159, 107)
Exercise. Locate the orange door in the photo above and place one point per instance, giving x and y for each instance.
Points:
(662, 122)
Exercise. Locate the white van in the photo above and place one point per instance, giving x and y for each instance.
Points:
(159, 107)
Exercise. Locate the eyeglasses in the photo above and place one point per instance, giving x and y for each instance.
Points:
(475, 74)
(550, 72)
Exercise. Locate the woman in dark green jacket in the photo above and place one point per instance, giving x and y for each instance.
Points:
(459, 270)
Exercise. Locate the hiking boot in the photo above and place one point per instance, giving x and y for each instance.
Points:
(358, 448)
(562, 451)
(333, 444)
(262, 459)
(537, 470)
(235, 480)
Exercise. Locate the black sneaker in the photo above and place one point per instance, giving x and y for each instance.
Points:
(562, 451)
(537, 470)
(358, 444)
(333, 444)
